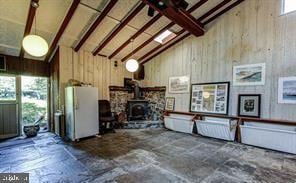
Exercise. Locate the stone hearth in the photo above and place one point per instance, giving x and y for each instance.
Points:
(155, 96)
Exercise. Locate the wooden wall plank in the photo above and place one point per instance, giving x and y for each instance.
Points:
(24, 66)
(252, 32)
(96, 70)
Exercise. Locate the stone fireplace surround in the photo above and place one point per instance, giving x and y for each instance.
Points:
(154, 95)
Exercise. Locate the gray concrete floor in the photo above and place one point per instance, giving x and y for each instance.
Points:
(148, 155)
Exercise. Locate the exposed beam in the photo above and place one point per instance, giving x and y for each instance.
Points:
(95, 24)
(169, 46)
(213, 10)
(29, 23)
(62, 28)
(177, 15)
(223, 11)
(119, 28)
(140, 31)
(160, 46)
(148, 41)
(186, 35)
(193, 8)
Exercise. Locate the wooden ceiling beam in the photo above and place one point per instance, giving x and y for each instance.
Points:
(119, 28)
(62, 28)
(213, 10)
(178, 39)
(95, 24)
(29, 23)
(160, 46)
(223, 11)
(177, 15)
(150, 53)
(140, 31)
(192, 9)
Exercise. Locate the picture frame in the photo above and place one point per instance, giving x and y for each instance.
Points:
(249, 105)
(248, 75)
(179, 84)
(170, 103)
(287, 90)
(210, 98)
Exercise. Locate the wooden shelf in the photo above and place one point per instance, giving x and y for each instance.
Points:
(241, 119)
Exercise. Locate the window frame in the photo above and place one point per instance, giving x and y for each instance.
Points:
(283, 9)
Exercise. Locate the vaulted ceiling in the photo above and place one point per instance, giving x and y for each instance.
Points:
(103, 27)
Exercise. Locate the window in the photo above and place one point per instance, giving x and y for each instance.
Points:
(288, 6)
(7, 88)
(165, 37)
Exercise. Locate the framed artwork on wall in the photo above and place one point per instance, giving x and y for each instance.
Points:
(179, 84)
(287, 90)
(247, 75)
(210, 98)
(249, 105)
(170, 104)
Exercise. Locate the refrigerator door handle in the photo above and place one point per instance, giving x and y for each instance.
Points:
(76, 102)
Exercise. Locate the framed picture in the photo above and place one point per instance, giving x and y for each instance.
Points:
(180, 84)
(246, 75)
(210, 97)
(287, 90)
(249, 105)
(170, 104)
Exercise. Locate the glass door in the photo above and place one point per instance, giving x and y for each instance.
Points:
(9, 124)
(34, 101)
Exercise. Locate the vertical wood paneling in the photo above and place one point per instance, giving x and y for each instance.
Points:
(253, 32)
(96, 70)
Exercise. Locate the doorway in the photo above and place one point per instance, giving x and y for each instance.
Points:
(9, 123)
(34, 99)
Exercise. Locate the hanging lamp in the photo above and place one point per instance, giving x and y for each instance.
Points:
(132, 65)
(33, 44)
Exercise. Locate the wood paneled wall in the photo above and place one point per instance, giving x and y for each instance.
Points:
(54, 87)
(27, 67)
(253, 32)
(97, 70)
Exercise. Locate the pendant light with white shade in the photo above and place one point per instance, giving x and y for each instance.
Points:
(33, 44)
(132, 65)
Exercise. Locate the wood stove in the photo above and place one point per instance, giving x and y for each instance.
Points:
(137, 109)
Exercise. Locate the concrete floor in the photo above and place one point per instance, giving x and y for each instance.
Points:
(148, 155)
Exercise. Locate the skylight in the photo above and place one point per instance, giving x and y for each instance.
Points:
(165, 37)
(289, 6)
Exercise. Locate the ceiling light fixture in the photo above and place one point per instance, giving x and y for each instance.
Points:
(33, 44)
(132, 65)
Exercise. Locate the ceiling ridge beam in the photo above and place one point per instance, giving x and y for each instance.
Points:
(178, 15)
(192, 9)
(183, 37)
(118, 28)
(140, 31)
(62, 29)
(95, 24)
(29, 23)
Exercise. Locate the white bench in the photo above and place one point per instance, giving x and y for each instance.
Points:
(179, 123)
(217, 128)
(271, 136)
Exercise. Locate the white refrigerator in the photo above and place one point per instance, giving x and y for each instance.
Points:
(81, 109)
